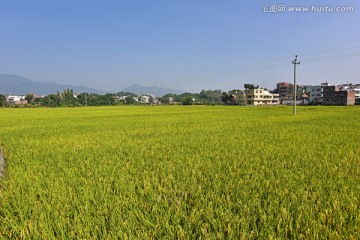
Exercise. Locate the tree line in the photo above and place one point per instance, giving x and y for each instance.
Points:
(67, 98)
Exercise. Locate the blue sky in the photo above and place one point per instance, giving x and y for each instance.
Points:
(183, 44)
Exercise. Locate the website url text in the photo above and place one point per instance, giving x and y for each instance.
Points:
(278, 8)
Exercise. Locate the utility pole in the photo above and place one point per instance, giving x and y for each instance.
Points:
(295, 62)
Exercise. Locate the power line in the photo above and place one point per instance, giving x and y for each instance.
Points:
(263, 65)
(208, 76)
(327, 51)
(331, 57)
(244, 69)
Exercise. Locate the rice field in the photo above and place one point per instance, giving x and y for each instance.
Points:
(180, 172)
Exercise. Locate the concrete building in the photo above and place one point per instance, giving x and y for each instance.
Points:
(286, 91)
(241, 98)
(276, 98)
(145, 99)
(16, 100)
(351, 87)
(315, 93)
(123, 98)
(334, 96)
(148, 99)
(257, 96)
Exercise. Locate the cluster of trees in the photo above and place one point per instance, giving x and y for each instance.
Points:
(83, 99)
(67, 98)
(204, 97)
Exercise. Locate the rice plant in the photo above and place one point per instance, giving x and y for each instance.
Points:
(195, 172)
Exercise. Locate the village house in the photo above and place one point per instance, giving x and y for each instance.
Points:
(286, 92)
(334, 96)
(16, 100)
(351, 87)
(315, 92)
(257, 96)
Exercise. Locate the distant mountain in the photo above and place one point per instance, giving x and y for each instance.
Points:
(157, 91)
(17, 85)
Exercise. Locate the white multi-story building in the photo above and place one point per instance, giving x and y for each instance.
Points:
(145, 99)
(316, 92)
(11, 99)
(148, 99)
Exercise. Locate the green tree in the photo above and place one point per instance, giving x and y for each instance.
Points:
(203, 94)
(106, 100)
(187, 101)
(170, 96)
(165, 100)
(2, 100)
(84, 99)
(29, 97)
(122, 94)
(52, 100)
(235, 91)
(93, 99)
(130, 100)
(210, 96)
(214, 96)
(67, 98)
(249, 86)
(224, 97)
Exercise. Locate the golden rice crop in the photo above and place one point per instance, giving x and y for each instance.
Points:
(180, 173)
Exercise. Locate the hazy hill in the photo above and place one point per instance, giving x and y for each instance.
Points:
(157, 91)
(18, 85)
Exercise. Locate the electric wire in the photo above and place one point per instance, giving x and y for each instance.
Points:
(263, 65)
